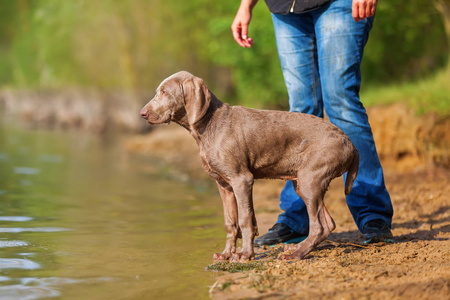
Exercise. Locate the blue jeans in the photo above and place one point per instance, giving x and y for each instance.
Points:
(320, 53)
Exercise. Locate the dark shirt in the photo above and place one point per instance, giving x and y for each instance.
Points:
(294, 6)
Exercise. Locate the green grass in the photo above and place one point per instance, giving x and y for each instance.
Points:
(426, 95)
(236, 267)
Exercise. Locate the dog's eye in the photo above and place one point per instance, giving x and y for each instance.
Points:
(163, 92)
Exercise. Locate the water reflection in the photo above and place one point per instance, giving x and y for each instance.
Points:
(51, 158)
(17, 263)
(39, 288)
(26, 171)
(96, 223)
(12, 243)
(15, 218)
(32, 229)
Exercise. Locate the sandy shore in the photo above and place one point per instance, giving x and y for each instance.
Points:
(415, 266)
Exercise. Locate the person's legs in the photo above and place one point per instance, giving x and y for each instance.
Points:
(340, 42)
(337, 42)
(296, 44)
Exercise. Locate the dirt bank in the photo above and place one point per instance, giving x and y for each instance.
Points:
(405, 140)
(415, 154)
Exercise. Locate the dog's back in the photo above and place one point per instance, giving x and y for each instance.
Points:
(276, 144)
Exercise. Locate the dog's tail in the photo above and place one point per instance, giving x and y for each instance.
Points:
(352, 172)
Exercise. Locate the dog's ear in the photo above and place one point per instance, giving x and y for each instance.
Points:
(197, 98)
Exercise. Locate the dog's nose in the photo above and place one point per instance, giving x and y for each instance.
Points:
(144, 113)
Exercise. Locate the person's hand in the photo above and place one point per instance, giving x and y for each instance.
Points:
(240, 27)
(362, 9)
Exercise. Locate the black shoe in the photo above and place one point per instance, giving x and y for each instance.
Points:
(279, 233)
(376, 231)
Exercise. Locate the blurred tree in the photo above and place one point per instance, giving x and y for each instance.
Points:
(133, 45)
(8, 15)
(443, 7)
(256, 72)
(108, 44)
(406, 42)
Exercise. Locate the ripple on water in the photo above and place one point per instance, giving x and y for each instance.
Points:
(9, 244)
(32, 229)
(26, 182)
(26, 171)
(15, 218)
(14, 292)
(38, 288)
(18, 263)
(51, 158)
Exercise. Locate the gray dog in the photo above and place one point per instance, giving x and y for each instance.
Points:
(238, 145)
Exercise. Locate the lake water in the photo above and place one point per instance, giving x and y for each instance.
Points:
(82, 219)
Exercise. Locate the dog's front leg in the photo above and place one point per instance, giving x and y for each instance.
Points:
(230, 212)
(243, 187)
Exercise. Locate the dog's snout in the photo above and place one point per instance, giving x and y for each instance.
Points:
(144, 113)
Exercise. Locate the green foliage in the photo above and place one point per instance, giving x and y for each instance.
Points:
(107, 44)
(407, 41)
(7, 32)
(236, 267)
(256, 72)
(425, 95)
(40, 53)
(133, 45)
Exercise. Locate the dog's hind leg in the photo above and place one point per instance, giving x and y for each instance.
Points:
(328, 220)
(320, 222)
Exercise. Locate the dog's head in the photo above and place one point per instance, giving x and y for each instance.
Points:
(182, 98)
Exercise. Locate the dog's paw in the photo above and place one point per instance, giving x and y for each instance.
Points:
(241, 257)
(221, 256)
(298, 254)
